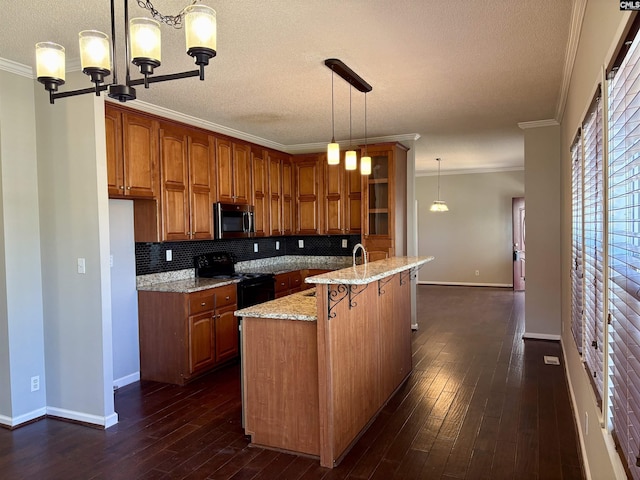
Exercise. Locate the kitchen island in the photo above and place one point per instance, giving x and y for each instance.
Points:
(319, 365)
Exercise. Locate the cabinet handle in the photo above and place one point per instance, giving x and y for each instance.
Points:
(227, 297)
(203, 304)
(121, 187)
(128, 188)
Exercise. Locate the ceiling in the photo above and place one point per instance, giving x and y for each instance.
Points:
(460, 75)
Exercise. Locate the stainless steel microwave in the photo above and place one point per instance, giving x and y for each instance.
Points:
(233, 221)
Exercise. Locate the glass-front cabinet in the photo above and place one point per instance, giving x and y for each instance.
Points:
(385, 203)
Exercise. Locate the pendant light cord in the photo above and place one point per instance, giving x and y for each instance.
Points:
(350, 89)
(333, 122)
(365, 124)
(438, 179)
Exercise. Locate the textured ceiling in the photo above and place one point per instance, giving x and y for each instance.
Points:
(460, 74)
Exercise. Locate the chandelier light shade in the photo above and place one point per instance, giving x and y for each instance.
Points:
(142, 48)
(50, 65)
(439, 205)
(145, 44)
(350, 160)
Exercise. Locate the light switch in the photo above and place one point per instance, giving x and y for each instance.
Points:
(300, 243)
(169, 255)
(344, 243)
(277, 245)
(255, 248)
(82, 265)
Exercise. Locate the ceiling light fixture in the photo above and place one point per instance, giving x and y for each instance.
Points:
(354, 80)
(365, 160)
(142, 48)
(439, 205)
(333, 149)
(350, 157)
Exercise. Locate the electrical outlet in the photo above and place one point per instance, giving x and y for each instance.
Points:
(255, 248)
(300, 243)
(35, 383)
(169, 255)
(277, 245)
(477, 273)
(344, 243)
(82, 265)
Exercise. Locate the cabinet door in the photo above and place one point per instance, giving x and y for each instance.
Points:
(275, 194)
(115, 160)
(261, 201)
(226, 334)
(307, 180)
(201, 341)
(175, 202)
(288, 208)
(353, 203)
(241, 173)
(224, 170)
(140, 140)
(333, 197)
(200, 185)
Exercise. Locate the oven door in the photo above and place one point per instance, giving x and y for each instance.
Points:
(255, 291)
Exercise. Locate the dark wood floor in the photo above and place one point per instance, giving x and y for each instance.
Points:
(480, 403)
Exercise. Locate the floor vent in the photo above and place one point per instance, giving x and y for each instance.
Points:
(549, 360)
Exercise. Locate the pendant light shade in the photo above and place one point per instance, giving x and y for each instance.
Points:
(439, 205)
(365, 165)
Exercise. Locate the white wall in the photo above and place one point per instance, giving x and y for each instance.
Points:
(542, 184)
(21, 315)
(74, 223)
(475, 234)
(124, 296)
(601, 30)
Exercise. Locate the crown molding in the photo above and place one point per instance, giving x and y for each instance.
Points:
(538, 123)
(16, 68)
(469, 171)
(577, 17)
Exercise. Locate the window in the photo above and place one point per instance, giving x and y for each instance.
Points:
(576, 244)
(624, 255)
(593, 253)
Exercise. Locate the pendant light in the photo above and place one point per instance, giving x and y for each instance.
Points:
(365, 161)
(333, 149)
(439, 205)
(350, 157)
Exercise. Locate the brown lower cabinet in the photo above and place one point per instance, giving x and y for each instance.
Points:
(288, 283)
(183, 335)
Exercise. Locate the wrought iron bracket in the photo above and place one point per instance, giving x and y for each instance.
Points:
(404, 275)
(334, 297)
(381, 284)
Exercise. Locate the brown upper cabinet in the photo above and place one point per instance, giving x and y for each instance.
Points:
(187, 164)
(385, 202)
(308, 179)
(288, 207)
(280, 193)
(342, 198)
(261, 199)
(233, 172)
(132, 152)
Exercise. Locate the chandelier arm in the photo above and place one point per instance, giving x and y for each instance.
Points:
(73, 93)
(164, 78)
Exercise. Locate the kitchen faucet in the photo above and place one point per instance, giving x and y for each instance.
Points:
(364, 253)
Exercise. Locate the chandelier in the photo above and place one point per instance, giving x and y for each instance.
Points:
(142, 48)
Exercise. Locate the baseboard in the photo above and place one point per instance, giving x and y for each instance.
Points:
(81, 417)
(467, 284)
(13, 422)
(541, 336)
(126, 380)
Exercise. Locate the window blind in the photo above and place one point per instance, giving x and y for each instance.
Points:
(576, 244)
(593, 227)
(624, 256)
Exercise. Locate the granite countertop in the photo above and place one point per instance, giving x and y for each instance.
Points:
(367, 273)
(297, 306)
(187, 285)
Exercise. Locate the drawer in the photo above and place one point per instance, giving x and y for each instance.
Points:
(201, 301)
(295, 279)
(282, 282)
(226, 295)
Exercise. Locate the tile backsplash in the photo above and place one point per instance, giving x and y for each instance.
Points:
(151, 257)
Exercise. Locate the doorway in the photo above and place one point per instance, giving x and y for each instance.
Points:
(519, 233)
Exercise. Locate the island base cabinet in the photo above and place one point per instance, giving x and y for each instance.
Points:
(280, 394)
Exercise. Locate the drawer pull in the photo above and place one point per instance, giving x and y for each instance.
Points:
(203, 304)
(227, 297)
